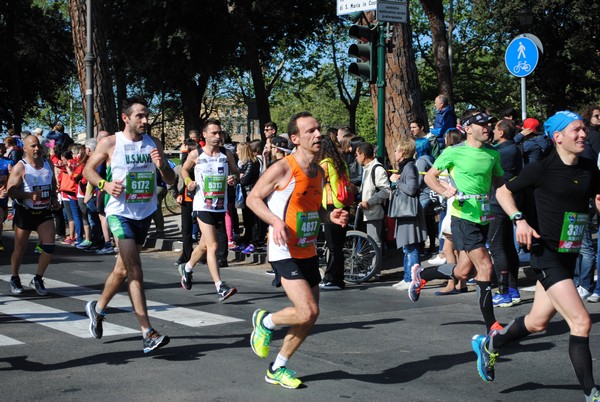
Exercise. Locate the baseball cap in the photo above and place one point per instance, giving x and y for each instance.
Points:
(531, 124)
(478, 118)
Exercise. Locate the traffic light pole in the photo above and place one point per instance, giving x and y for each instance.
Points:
(381, 50)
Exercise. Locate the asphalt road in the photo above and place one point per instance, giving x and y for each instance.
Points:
(370, 343)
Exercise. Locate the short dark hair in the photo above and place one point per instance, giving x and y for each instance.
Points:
(418, 121)
(128, 103)
(292, 125)
(210, 121)
(366, 149)
(508, 127)
(271, 125)
(510, 112)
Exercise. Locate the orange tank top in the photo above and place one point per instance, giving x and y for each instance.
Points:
(297, 204)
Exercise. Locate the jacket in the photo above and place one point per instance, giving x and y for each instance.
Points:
(375, 192)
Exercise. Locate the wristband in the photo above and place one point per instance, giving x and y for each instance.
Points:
(517, 216)
(187, 180)
(101, 184)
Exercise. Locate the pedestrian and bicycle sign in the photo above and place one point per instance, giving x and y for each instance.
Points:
(522, 56)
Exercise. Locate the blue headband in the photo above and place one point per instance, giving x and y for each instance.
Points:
(559, 121)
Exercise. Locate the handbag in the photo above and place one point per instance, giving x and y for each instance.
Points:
(239, 197)
(403, 205)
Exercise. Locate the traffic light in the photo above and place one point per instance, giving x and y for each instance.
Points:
(366, 51)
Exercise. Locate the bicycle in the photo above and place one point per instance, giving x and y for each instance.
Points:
(362, 256)
(522, 65)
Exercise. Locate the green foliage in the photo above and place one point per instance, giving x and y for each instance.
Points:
(38, 57)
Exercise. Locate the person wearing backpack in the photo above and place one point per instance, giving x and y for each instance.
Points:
(375, 191)
(334, 196)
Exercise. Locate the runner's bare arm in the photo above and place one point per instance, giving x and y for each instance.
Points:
(274, 178)
(160, 161)
(102, 153)
(188, 165)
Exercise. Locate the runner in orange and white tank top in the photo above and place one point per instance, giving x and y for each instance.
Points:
(297, 204)
(293, 188)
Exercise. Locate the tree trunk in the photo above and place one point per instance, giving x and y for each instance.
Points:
(191, 99)
(434, 9)
(105, 112)
(402, 93)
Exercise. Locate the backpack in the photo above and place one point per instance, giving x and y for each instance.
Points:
(345, 191)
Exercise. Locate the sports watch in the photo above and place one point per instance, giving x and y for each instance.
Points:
(517, 216)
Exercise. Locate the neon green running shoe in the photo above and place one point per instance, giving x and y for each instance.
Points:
(284, 377)
(260, 340)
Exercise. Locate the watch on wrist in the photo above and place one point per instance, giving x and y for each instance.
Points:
(101, 184)
(517, 216)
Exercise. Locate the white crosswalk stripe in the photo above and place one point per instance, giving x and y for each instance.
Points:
(77, 325)
(6, 341)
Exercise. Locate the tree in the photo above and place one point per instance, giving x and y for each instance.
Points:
(37, 62)
(105, 111)
(402, 94)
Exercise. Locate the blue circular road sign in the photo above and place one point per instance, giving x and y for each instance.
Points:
(521, 56)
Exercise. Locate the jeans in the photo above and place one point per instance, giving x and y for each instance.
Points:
(584, 270)
(411, 257)
(77, 220)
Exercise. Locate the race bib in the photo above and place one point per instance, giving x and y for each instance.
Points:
(46, 193)
(307, 228)
(484, 205)
(139, 186)
(214, 188)
(571, 234)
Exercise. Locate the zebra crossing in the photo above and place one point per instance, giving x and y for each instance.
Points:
(77, 324)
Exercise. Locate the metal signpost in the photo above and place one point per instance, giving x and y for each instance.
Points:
(521, 58)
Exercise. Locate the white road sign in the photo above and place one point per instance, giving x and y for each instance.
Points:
(392, 11)
(350, 6)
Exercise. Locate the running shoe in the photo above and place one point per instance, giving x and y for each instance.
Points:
(38, 249)
(107, 249)
(495, 328)
(502, 300)
(594, 396)
(594, 298)
(240, 247)
(225, 292)
(84, 245)
(260, 340)
(249, 250)
(514, 295)
(37, 283)
(68, 240)
(231, 245)
(437, 260)
(485, 358)
(282, 376)
(154, 340)
(15, 285)
(95, 319)
(414, 290)
(186, 277)
(583, 292)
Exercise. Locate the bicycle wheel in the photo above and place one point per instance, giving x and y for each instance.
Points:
(171, 203)
(362, 257)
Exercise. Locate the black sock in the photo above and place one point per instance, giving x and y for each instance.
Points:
(484, 291)
(515, 330)
(581, 359)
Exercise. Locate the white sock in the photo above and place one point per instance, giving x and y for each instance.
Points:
(280, 361)
(218, 285)
(268, 322)
(188, 267)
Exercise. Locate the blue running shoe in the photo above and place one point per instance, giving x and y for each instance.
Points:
(485, 358)
(514, 295)
(502, 300)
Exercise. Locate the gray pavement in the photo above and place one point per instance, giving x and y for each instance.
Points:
(370, 343)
